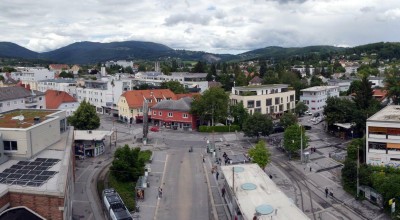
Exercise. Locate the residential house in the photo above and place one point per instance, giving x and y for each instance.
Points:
(103, 94)
(383, 137)
(62, 101)
(36, 164)
(130, 104)
(344, 84)
(31, 75)
(18, 97)
(315, 97)
(256, 81)
(273, 99)
(377, 81)
(174, 114)
(65, 85)
(123, 63)
(75, 69)
(351, 67)
(8, 81)
(58, 68)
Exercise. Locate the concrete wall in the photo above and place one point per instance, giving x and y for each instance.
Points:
(12, 104)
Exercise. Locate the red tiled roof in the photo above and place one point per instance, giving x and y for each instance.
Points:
(58, 66)
(55, 98)
(179, 96)
(379, 93)
(135, 98)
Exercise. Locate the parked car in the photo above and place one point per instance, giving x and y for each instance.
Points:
(278, 129)
(308, 113)
(307, 127)
(155, 129)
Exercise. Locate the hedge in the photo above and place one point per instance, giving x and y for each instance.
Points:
(231, 128)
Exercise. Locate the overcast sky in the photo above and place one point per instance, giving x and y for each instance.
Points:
(217, 26)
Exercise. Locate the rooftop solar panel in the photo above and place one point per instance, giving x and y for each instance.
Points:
(23, 163)
(9, 181)
(41, 159)
(41, 178)
(35, 172)
(41, 168)
(47, 164)
(35, 163)
(22, 171)
(48, 173)
(16, 167)
(4, 175)
(28, 167)
(52, 160)
(14, 176)
(9, 170)
(27, 177)
(20, 182)
(36, 183)
(3, 180)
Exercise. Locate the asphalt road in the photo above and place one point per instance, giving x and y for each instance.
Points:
(184, 187)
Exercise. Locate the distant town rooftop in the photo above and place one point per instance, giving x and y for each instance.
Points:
(318, 88)
(59, 80)
(23, 118)
(256, 192)
(257, 87)
(390, 113)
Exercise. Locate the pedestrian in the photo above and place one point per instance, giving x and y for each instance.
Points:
(270, 176)
(326, 192)
(331, 194)
(216, 175)
(310, 169)
(159, 192)
(203, 159)
(223, 191)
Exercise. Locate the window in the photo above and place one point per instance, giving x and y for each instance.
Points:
(268, 102)
(258, 103)
(184, 115)
(169, 114)
(160, 113)
(15, 102)
(40, 98)
(291, 98)
(250, 104)
(1, 105)
(277, 100)
(154, 113)
(8, 103)
(10, 145)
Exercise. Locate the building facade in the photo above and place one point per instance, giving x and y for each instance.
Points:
(383, 137)
(18, 97)
(315, 97)
(266, 99)
(130, 104)
(65, 85)
(174, 114)
(31, 75)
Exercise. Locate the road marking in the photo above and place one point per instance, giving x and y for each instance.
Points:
(162, 181)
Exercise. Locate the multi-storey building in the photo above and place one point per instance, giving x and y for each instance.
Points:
(174, 114)
(58, 68)
(130, 104)
(195, 82)
(65, 85)
(315, 97)
(18, 97)
(36, 164)
(62, 101)
(383, 137)
(31, 75)
(344, 84)
(274, 99)
(103, 94)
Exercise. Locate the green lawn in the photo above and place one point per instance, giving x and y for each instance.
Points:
(125, 189)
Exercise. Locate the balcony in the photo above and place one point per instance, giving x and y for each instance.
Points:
(31, 103)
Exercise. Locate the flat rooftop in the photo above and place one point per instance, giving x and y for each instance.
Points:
(390, 113)
(23, 118)
(318, 88)
(256, 87)
(254, 190)
(91, 135)
(45, 173)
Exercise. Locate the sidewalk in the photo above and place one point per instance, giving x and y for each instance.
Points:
(216, 186)
(325, 172)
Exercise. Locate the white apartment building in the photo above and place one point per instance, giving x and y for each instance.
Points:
(31, 75)
(377, 81)
(103, 94)
(344, 84)
(195, 82)
(274, 99)
(123, 63)
(18, 97)
(315, 97)
(383, 137)
(303, 70)
(65, 85)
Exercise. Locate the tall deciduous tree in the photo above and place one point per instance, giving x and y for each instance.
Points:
(200, 67)
(64, 74)
(288, 119)
(127, 164)
(300, 108)
(293, 137)
(257, 124)
(85, 117)
(392, 85)
(212, 105)
(174, 86)
(260, 154)
(239, 113)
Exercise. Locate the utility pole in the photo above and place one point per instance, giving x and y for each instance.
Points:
(358, 167)
(301, 143)
(233, 180)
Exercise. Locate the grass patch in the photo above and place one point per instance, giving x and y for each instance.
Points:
(145, 155)
(100, 188)
(125, 189)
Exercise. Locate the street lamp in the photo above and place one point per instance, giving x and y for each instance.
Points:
(301, 143)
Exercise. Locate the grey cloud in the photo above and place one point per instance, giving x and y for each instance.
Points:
(187, 18)
(367, 9)
(288, 1)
